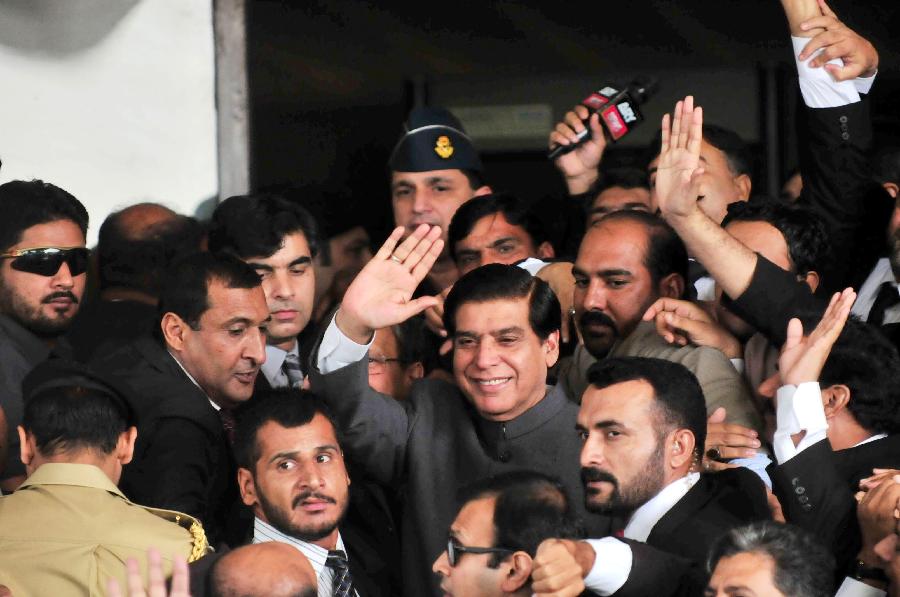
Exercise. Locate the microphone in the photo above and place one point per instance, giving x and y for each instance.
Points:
(618, 108)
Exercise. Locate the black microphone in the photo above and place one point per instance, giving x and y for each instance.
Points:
(618, 108)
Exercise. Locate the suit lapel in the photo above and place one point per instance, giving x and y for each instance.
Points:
(681, 513)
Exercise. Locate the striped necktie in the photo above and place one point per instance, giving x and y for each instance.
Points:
(292, 370)
(342, 584)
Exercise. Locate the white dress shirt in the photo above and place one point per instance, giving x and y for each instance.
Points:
(613, 558)
(868, 292)
(194, 381)
(317, 556)
(273, 368)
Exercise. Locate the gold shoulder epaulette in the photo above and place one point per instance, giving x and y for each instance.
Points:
(200, 545)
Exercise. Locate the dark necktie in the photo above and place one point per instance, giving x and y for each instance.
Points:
(342, 584)
(227, 424)
(292, 370)
(887, 297)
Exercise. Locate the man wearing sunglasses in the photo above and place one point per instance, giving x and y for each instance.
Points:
(496, 533)
(43, 262)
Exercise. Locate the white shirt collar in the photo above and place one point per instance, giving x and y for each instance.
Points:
(317, 556)
(645, 518)
(194, 381)
(875, 437)
(272, 367)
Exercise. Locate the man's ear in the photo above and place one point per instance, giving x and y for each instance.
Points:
(835, 399)
(174, 329)
(247, 486)
(26, 446)
(125, 445)
(415, 371)
(743, 184)
(545, 251)
(482, 190)
(681, 448)
(811, 279)
(520, 566)
(550, 347)
(671, 286)
(891, 188)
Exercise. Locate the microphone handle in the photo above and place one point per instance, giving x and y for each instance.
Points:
(562, 149)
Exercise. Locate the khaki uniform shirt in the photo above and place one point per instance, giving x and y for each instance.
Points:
(68, 529)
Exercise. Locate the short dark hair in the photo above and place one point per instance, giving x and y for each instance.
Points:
(868, 364)
(412, 341)
(803, 230)
(475, 178)
(740, 160)
(626, 178)
(185, 289)
(496, 281)
(68, 407)
(679, 402)
(139, 262)
(516, 212)
(287, 407)
(255, 225)
(666, 253)
(28, 203)
(530, 507)
(803, 566)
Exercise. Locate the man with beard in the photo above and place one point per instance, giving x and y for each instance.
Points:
(43, 262)
(643, 426)
(628, 260)
(291, 472)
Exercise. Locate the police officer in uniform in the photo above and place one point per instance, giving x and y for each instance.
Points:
(68, 528)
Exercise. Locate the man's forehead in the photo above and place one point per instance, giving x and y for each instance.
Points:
(412, 178)
(273, 437)
(57, 233)
(485, 317)
(613, 243)
(493, 226)
(228, 303)
(475, 520)
(624, 401)
(293, 245)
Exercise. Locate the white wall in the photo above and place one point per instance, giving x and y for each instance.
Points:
(112, 100)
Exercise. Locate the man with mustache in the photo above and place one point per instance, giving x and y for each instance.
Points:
(291, 472)
(642, 424)
(186, 382)
(277, 238)
(628, 260)
(43, 262)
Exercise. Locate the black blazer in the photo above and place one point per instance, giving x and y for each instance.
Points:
(369, 571)
(816, 489)
(182, 460)
(672, 561)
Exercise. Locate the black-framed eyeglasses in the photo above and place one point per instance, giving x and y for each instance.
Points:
(455, 549)
(378, 362)
(46, 261)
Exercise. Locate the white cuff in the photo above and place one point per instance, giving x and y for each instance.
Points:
(864, 84)
(612, 566)
(738, 365)
(337, 350)
(818, 88)
(532, 265)
(799, 409)
(853, 588)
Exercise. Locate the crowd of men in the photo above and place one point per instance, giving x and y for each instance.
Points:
(695, 393)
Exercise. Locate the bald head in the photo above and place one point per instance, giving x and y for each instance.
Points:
(264, 569)
(136, 220)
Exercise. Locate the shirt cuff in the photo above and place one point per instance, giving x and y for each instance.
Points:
(864, 84)
(738, 365)
(532, 265)
(337, 350)
(818, 88)
(612, 566)
(853, 588)
(799, 409)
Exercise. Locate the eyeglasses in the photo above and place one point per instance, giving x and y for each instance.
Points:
(454, 550)
(46, 261)
(379, 363)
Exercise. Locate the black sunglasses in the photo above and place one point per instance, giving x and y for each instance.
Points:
(46, 261)
(454, 550)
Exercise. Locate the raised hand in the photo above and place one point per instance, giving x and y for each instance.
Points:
(859, 56)
(677, 186)
(683, 322)
(156, 582)
(802, 357)
(725, 441)
(381, 295)
(579, 166)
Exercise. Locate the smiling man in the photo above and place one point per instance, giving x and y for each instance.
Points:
(278, 239)
(42, 277)
(499, 416)
(186, 382)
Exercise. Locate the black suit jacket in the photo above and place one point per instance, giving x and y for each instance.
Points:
(182, 460)
(370, 573)
(816, 489)
(672, 562)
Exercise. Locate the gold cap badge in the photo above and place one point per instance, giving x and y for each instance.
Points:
(443, 147)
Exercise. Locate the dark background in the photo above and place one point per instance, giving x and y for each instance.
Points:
(331, 82)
